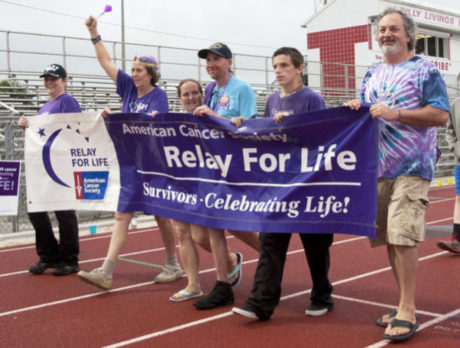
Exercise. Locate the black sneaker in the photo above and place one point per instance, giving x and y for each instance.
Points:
(64, 269)
(316, 310)
(221, 295)
(41, 266)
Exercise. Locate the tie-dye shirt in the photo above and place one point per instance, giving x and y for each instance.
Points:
(413, 84)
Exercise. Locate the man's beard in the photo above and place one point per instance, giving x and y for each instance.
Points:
(391, 50)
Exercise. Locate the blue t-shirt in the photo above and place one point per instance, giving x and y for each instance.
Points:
(404, 149)
(63, 104)
(302, 101)
(156, 100)
(235, 98)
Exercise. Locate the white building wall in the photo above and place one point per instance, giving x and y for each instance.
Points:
(314, 69)
(364, 58)
(341, 14)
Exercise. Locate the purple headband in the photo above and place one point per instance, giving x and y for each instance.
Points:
(147, 61)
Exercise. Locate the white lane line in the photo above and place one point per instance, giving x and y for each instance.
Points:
(360, 276)
(437, 221)
(198, 322)
(423, 326)
(84, 239)
(159, 333)
(48, 304)
(442, 200)
(170, 330)
(383, 305)
(134, 253)
(91, 260)
(72, 299)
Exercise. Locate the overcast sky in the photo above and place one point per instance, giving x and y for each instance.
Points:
(248, 26)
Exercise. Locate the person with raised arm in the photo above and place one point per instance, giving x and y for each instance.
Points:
(139, 93)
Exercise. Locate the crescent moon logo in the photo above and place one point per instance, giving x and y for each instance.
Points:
(46, 156)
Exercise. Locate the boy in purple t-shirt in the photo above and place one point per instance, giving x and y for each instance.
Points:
(62, 256)
(294, 98)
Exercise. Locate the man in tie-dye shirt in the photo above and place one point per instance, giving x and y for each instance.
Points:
(409, 100)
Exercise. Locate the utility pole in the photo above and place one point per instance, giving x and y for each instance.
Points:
(123, 52)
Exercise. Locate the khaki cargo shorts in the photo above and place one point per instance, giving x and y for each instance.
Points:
(401, 207)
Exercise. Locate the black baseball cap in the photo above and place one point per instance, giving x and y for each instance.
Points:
(55, 70)
(218, 48)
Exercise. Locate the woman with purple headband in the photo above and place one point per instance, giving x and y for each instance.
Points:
(139, 93)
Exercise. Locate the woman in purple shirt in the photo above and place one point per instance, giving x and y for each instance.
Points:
(139, 93)
(63, 255)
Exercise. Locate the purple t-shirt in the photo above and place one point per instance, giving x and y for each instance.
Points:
(304, 100)
(63, 104)
(156, 100)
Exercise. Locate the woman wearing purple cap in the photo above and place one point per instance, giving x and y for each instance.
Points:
(139, 93)
(62, 255)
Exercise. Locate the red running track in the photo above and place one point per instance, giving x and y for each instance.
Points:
(48, 311)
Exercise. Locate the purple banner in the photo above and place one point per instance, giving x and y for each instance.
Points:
(9, 178)
(314, 173)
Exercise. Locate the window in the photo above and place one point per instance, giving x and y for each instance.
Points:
(431, 45)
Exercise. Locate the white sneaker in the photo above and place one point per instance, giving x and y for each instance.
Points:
(170, 273)
(133, 224)
(97, 277)
(244, 313)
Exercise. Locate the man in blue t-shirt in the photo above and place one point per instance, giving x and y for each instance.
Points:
(227, 97)
(233, 99)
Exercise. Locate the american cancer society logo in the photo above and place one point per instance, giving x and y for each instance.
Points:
(90, 182)
(90, 185)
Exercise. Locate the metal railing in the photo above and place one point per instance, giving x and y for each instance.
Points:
(76, 54)
(38, 50)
